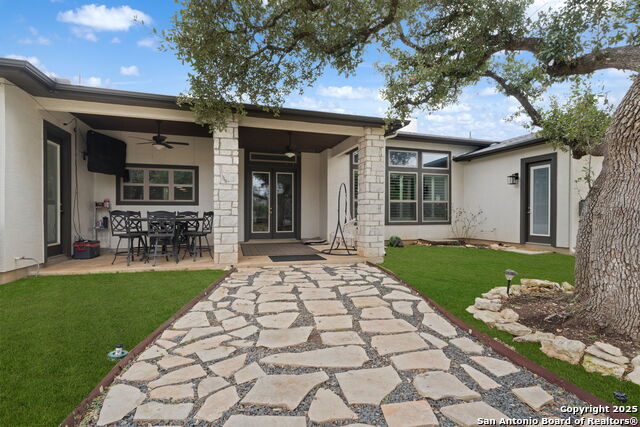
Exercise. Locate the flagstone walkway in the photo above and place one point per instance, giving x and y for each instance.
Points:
(320, 344)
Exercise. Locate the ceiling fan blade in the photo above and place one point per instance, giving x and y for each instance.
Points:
(164, 144)
(176, 143)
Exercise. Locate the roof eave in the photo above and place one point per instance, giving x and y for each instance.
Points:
(473, 155)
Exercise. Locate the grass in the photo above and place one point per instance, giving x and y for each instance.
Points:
(55, 332)
(453, 277)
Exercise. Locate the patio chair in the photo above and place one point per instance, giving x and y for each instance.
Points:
(187, 223)
(121, 227)
(136, 227)
(161, 231)
(204, 231)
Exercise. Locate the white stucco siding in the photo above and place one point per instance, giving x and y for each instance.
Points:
(435, 231)
(338, 170)
(578, 191)
(486, 188)
(22, 177)
(311, 203)
(199, 153)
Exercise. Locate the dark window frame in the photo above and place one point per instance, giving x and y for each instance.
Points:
(196, 186)
(353, 170)
(420, 171)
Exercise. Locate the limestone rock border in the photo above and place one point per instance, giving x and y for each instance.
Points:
(515, 357)
(599, 357)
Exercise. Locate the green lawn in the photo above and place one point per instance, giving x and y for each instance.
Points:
(453, 277)
(55, 333)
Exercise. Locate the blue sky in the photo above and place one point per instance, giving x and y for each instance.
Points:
(97, 44)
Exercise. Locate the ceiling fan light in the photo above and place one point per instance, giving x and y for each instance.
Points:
(158, 146)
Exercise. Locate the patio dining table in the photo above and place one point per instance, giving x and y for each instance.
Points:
(178, 231)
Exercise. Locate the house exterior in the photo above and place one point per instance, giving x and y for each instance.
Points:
(263, 177)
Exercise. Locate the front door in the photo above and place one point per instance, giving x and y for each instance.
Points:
(57, 200)
(539, 218)
(272, 203)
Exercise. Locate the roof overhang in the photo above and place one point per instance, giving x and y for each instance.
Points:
(35, 82)
(450, 140)
(488, 152)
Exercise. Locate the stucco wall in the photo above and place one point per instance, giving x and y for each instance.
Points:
(486, 188)
(338, 171)
(199, 153)
(312, 193)
(22, 177)
(436, 231)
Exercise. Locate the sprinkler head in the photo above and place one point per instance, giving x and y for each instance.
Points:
(620, 396)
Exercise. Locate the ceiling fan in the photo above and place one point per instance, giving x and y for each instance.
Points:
(159, 141)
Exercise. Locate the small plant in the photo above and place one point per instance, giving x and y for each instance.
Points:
(395, 242)
(465, 223)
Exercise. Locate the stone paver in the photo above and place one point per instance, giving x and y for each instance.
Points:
(535, 396)
(409, 414)
(291, 389)
(291, 346)
(328, 406)
(497, 367)
(277, 338)
(121, 399)
(368, 386)
(330, 323)
(351, 356)
(440, 385)
(217, 404)
(421, 360)
(467, 414)
(387, 344)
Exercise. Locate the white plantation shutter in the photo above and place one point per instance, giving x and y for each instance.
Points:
(402, 197)
(435, 197)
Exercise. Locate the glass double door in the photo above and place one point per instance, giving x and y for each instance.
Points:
(273, 206)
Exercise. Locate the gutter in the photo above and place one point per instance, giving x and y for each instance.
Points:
(475, 155)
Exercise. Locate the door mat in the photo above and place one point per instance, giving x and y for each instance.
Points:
(283, 258)
(276, 249)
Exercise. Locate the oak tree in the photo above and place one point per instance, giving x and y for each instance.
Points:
(261, 51)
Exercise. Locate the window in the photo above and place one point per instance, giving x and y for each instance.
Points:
(435, 160)
(158, 185)
(402, 197)
(404, 159)
(418, 186)
(353, 193)
(435, 197)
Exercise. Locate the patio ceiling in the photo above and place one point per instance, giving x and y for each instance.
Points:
(252, 139)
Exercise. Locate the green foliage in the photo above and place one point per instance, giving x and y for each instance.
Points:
(579, 123)
(259, 52)
(454, 277)
(56, 331)
(395, 241)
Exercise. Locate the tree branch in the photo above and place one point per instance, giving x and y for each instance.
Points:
(621, 58)
(517, 93)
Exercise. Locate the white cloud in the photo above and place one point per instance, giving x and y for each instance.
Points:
(131, 70)
(348, 92)
(455, 108)
(488, 91)
(148, 42)
(115, 40)
(84, 33)
(103, 18)
(35, 39)
(90, 81)
(544, 6)
(33, 60)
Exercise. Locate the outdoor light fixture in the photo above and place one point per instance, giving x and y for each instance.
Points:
(513, 179)
(509, 274)
(118, 353)
(290, 153)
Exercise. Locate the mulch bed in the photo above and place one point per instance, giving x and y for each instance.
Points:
(546, 311)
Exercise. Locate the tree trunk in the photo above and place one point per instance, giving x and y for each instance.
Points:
(608, 245)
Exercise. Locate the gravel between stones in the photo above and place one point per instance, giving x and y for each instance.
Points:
(499, 398)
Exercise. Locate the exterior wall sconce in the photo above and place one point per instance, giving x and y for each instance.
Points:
(513, 179)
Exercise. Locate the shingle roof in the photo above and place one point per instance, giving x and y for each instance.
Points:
(426, 137)
(502, 146)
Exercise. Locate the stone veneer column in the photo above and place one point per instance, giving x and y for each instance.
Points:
(371, 179)
(226, 160)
